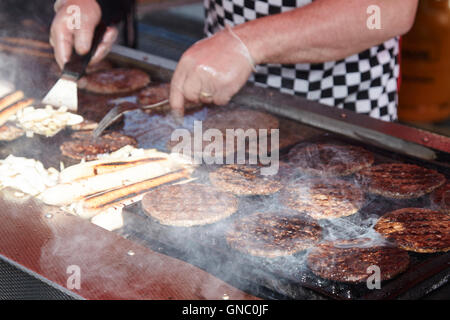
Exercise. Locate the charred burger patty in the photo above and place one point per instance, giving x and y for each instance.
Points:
(441, 198)
(330, 159)
(187, 205)
(84, 146)
(416, 229)
(323, 198)
(114, 81)
(400, 180)
(349, 260)
(273, 234)
(244, 180)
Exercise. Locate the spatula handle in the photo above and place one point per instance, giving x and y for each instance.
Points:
(112, 13)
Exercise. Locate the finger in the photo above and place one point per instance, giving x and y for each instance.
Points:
(192, 87)
(176, 98)
(109, 39)
(207, 91)
(177, 102)
(85, 33)
(61, 38)
(58, 5)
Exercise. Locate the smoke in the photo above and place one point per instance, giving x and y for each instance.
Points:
(26, 18)
(100, 259)
(9, 67)
(206, 246)
(317, 161)
(21, 65)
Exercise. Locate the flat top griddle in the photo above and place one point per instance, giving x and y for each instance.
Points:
(206, 247)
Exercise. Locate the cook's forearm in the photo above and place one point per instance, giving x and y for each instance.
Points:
(325, 30)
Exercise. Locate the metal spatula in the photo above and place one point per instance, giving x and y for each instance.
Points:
(64, 92)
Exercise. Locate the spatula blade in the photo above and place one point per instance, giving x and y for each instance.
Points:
(63, 93)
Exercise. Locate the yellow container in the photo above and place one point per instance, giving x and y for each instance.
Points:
(425, 66)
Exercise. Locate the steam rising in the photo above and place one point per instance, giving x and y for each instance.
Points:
(226, 262)
(75, 248)
(35, 71)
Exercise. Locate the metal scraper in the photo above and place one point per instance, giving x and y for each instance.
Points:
(64, 92)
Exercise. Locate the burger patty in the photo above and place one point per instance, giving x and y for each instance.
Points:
(99, 66)
(416, 229)
(205, 151)
(349, 260)
(154, 94)
(240, 119)
(330, 159)
(114, 81)
(84, 146)
(187, 205)
(233, 120)
(399, 180)
(323, 198)
(441, 197)
(244, 180)
(9, 132)
(273, 235)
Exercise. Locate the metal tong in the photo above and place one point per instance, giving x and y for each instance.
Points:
(117, 111)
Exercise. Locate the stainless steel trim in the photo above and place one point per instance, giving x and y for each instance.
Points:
(144, 57)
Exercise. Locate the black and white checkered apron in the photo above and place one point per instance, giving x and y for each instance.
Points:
(365, 83)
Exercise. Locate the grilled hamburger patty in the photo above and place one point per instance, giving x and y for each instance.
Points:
(416, 229)
(99, 66)
(323, 198)
(240, 119)
(273, 234)
(441, 197)
(187, 205)
(83, 146)
(154, 94)
(330, 159)
(205, 151)
(245, 120)
(114, 81)
(400, 180)
(349, 260)
(244, 180)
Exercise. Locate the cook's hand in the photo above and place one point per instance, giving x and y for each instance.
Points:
(65, 34)
(211, 71)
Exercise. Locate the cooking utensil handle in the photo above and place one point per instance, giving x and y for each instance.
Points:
(77, 64)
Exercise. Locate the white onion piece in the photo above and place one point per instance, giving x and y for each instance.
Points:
(46, 121)
(26, 175)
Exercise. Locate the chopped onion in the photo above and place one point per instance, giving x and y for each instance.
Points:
(46, 121)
